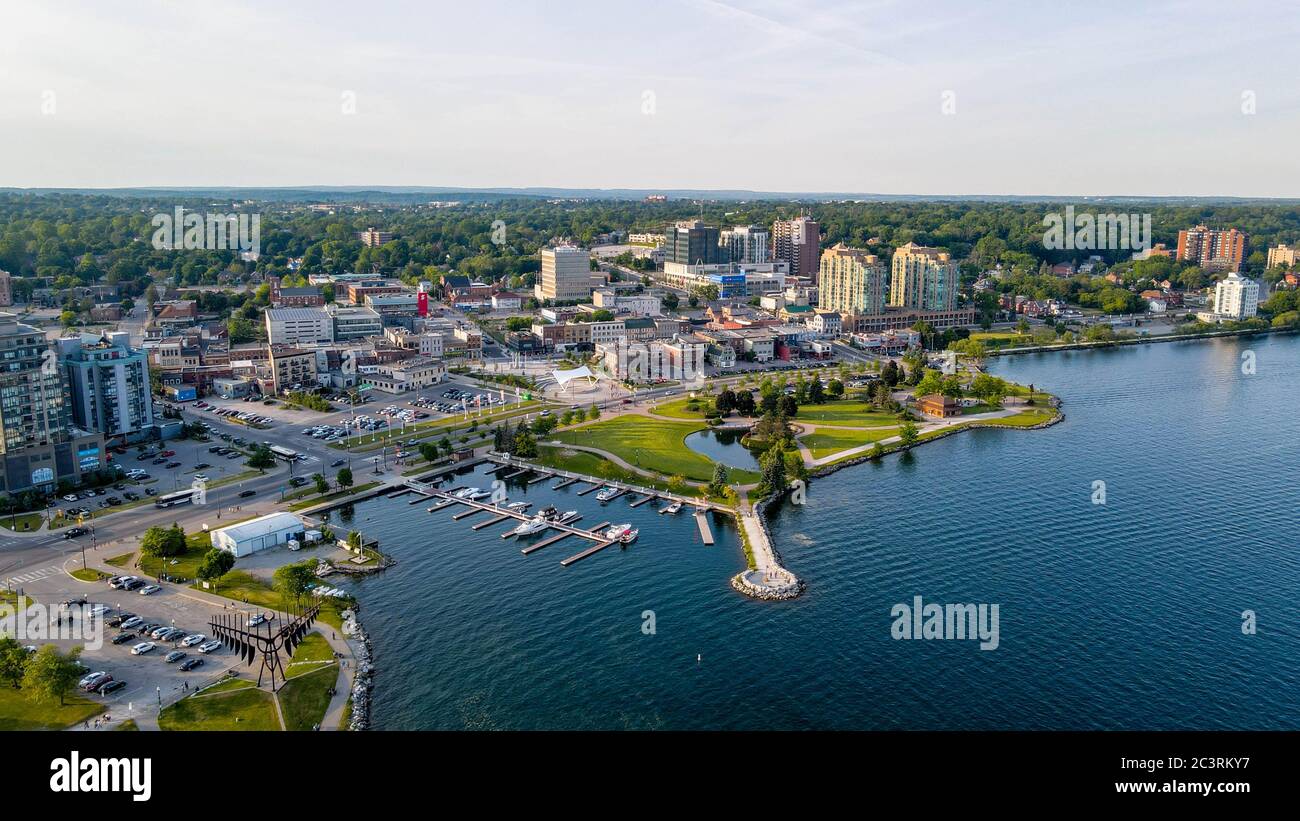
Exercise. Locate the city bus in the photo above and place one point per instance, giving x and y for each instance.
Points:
(180, 497)
(284, 453)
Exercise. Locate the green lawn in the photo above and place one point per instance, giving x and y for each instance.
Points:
(678, 408)
(242, 586)
(652, 444)
(121, 561)
(23, 521)
(305, 699)
(228, 684)
(186, 564)
(589, 464)
(845, 413)
(329, 497)
(19, 713)
(309, 656)
(129, 726)
(824, 443)
(88, 575)
(1027, 418)
(245, 709)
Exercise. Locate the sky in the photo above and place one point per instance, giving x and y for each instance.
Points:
(906, 97)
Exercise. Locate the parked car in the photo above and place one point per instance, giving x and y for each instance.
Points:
(110, 687)
(197, 638)
(175, 656)
(208, 647)
(123, 638)
(142, 648)
(191, 663)
(149, 589)
(131, 623)
(92, 680)
(118, 582)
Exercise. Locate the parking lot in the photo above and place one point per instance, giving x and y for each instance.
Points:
(148, 676)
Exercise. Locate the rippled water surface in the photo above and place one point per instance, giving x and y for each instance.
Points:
(1122, 615)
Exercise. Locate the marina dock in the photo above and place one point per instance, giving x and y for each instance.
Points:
(585, 491)
(703, 521)
(642, 501)
(584, 554)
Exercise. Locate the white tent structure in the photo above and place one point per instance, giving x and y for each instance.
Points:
(563, 378)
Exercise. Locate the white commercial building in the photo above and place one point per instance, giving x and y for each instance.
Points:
(298, 326)
(566, 274)
(258, 534)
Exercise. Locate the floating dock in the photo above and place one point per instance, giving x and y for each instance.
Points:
(541, 478)
(703, 521)
(510, 476)
(533, 548)
(589, 490)
(639, 502)
(563, 484)
(470, 512)
(584, 554)
(491, 522)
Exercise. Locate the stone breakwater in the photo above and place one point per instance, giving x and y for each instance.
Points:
(769, 580)
(363, 677)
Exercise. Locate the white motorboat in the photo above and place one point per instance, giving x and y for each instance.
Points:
(617, 532)
(628, 537)
(478, 494)
(531, 526)
(568, 516)
(607, 494)
(519, 507)
(466, 493)
(673, 508)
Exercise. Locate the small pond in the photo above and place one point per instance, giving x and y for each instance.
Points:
(723, 446)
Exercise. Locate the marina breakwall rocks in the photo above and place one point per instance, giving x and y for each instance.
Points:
(363, 676)
(769, 580)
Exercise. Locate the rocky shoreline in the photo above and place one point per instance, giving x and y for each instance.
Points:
(363, 677)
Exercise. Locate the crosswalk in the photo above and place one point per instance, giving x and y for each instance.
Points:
(34, 575)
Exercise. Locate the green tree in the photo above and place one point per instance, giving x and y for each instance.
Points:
(322, 485)
(429, 451)
(593, 413)
(261, 458)
(908, 433)
(773, 469)
(13, 660)
(216, 563)
(49, 674)
(161, 542)
(344, 477)
(835, 389)
(294, 580)
(719, 480)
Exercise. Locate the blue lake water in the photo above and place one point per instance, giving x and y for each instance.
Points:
(1122, 615)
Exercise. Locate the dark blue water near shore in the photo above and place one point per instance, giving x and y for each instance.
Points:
(1123, 615)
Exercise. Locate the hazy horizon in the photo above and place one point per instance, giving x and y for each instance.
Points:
(1176, 99)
